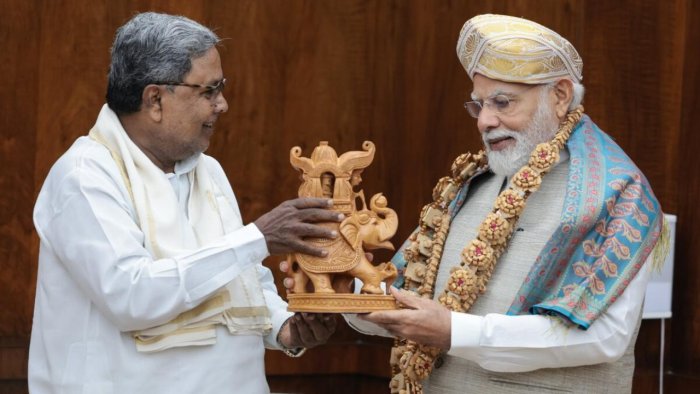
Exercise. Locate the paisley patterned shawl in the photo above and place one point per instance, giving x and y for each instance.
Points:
(610, 223)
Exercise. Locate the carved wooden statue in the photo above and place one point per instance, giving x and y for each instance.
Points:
(365, 228)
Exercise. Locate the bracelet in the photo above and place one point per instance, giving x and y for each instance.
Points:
(295, 352)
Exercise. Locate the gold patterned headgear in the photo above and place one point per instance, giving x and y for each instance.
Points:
(513, 49)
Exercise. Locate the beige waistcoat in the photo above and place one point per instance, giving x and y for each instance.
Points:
(538, 222)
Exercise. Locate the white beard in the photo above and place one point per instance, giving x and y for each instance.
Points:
(542, 128)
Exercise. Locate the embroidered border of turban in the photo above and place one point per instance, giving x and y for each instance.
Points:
(513, 49)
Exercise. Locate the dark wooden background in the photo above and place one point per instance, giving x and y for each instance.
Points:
(346, 71)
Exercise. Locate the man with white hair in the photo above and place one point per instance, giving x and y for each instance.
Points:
(527, 272)
(148, 280)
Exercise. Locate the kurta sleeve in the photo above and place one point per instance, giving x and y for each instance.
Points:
(276, 305)
(505, 343)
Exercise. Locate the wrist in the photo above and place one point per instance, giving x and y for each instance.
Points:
(283, 339)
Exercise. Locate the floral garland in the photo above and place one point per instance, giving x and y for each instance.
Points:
(411, 362)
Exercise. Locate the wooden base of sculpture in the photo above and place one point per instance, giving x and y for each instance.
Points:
(339, 303)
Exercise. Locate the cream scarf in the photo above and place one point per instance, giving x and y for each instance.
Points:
(240, 305)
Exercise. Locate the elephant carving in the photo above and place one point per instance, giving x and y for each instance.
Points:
(364, 228)
(367, 229)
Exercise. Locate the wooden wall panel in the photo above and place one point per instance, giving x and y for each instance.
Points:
(632, 53)
(18, 252)
(685, 340)
(17, 149)
(302, 71)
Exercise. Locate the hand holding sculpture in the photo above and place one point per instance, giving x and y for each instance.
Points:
(285, 226)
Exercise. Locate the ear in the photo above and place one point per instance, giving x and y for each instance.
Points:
(350, 231)
(151, 102)
(564, 93)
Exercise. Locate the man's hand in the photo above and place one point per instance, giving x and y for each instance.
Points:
(307, 330)
(424, 321)
(288, 282)
(286, 226)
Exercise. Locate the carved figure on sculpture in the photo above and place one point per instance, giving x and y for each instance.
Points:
(365, 228)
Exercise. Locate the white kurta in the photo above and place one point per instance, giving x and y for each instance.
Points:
(97, 283)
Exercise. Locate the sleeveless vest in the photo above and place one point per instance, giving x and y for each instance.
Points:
(538, 222)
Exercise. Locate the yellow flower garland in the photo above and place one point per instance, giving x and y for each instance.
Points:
(412, 362)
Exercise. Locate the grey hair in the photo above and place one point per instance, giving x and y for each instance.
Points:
(577, 99)
(151, 48)
(578, 93)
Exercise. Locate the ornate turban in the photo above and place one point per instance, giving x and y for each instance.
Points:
(516, 50)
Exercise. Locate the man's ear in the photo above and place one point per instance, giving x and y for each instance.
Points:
(564, 92)
(150, 102)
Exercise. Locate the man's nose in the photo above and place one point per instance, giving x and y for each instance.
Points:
(488, 119)
(220, 105)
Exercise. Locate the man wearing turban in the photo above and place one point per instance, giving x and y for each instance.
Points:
(528, 270)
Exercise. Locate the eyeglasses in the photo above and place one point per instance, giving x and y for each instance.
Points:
(210, 91)
(501, 103)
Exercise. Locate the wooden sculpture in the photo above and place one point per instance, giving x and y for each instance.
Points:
(325, 174)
